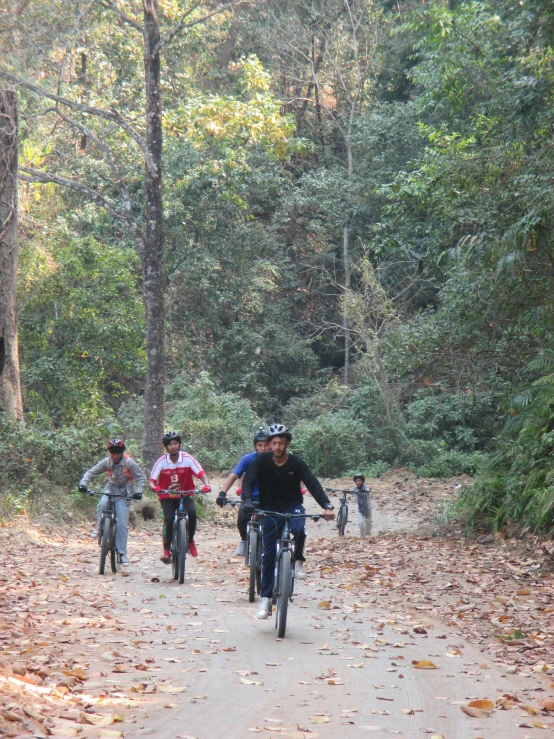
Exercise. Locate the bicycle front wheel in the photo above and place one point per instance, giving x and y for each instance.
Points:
(284, 576)
(252, 551)
(174, 558)
(341, 520)
(183, 545)
(104, 544)
(114, 557)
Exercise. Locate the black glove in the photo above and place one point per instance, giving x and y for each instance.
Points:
(247, 506)
(137, 496)
(221, 499)
(83, 489)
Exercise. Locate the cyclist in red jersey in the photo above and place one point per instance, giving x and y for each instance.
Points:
(174, 471)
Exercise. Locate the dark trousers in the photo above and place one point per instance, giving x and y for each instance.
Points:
(169, 506)
(271, 531)
(242, 522)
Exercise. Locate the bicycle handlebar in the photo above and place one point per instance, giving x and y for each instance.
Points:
(177, 493)
(233, 503)
(312, 516)
(337, 491)
(109, 495)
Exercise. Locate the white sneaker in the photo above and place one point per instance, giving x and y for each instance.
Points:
(299, 572)
(240, 551)
(123, 561)
(263, 608)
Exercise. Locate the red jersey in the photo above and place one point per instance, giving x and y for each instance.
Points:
(165, 472)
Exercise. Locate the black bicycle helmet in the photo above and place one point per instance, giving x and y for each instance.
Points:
(358, 476)
(260, 435)
(279, 429)
(116, 445)
(170, 436)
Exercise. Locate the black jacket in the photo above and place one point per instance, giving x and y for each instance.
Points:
(280, 486)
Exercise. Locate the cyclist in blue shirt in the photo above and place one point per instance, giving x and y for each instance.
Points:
(260, 445)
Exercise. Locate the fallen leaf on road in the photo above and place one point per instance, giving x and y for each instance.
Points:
(424, 664)
(475, 712)
(244, 681)
(319, 719)
(324, 605)
(484, 705)
(360, 664)
(547, 704)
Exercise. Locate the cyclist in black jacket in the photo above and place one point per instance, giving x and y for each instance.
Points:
(279, 475)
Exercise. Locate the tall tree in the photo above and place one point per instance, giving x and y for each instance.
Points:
(10, 387)
(113, 129)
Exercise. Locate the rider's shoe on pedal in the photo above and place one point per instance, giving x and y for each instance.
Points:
(123, 561)
(166, 557)
(263, 608)
(240, 551)
(299, 571)
(193, 551)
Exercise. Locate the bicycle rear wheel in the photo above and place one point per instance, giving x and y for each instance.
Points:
(114, 557)
(174, 548)
(342, 519)
(104, 543)
(284, 575)
(252, 551)
(183, 545)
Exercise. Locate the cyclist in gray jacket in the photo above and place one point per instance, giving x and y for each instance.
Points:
(123, 473)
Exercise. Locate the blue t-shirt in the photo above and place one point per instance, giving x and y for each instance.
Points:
(241, 467)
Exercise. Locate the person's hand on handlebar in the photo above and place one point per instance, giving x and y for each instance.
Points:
(329, 514)
(137, 496)
(247, 506)
(206, 489)
(221, 499)
(83, 489)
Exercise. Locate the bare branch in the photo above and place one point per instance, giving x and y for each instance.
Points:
(178, 27)
(114, 169)
(35, 175)
(109, 115)
(110, 5)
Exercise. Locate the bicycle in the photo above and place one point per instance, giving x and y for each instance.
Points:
(342, 515)
(106, 531)
(180, 538)
(253, 553)
(283, 587)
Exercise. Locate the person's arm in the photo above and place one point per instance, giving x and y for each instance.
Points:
(155, 476)
(314, 486)
(249, 481)
(98, 469)
(229, 482)
(138, 476)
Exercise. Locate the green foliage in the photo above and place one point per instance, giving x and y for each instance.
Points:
(39, 463)
(81, 328)
(216, 427)
(516, 484)
(331, 443)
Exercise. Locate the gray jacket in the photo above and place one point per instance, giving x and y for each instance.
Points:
(122, 475)
(364, 501)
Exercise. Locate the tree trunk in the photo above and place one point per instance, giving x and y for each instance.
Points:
(153, 253)
(10, 386)
(346, 260)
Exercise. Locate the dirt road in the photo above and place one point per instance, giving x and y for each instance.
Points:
(139, 655)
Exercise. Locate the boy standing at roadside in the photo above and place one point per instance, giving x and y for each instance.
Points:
(364, 505)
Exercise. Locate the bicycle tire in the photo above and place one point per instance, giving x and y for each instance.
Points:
(341, 520)
(252, 551)
(183, 539)
(104, 544)
(259, 566)
(174, 549)
(284, 575)
(114, 559)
